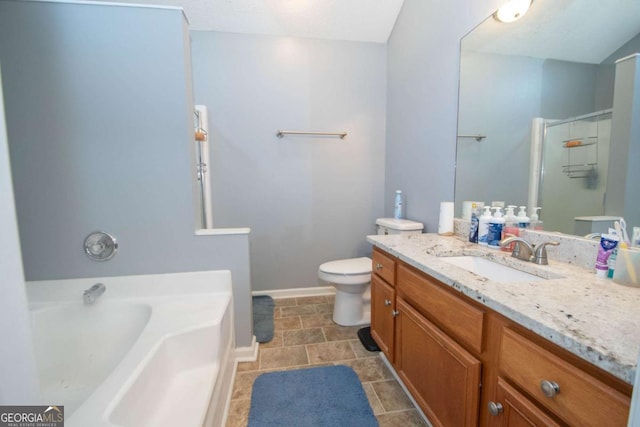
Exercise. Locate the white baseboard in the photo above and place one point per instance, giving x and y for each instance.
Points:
(248, 354)
(298, 292)
(406, 391)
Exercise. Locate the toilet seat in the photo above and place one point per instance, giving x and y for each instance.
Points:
(353, 271)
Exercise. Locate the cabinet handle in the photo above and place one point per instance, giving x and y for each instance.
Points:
(378, 266)
(549, 388)
(395, 313)
(495, 408)
(387, 302)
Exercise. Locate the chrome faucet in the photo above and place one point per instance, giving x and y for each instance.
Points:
(527, 252)
(93, 293)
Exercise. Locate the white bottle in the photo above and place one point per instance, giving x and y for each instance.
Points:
(495, 228)
(483, 226)
(398, 208)
(536, 224)
(522, 218)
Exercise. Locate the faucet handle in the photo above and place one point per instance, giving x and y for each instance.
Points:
(521, 249)
(541, 252)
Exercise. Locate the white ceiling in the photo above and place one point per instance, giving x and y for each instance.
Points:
(354, 20)
(586, 31)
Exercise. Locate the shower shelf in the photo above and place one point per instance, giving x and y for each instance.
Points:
(579, 170)
(580, 142)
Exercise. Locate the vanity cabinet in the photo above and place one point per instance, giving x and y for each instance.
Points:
(467, 365)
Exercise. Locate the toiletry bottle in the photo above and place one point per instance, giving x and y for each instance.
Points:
(522, 218)
(612, 263)
(483, 226)
(510, 228)
(398, 208)
(536, 223)
(496, 224)
(473, 227)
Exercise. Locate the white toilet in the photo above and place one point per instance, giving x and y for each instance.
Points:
(352, 277)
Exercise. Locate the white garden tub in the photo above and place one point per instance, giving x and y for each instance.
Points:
(153, 350)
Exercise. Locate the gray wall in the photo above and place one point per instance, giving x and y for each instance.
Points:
(308, 200)
(422, 102)
(100, 127)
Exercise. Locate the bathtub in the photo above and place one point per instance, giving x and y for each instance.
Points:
(153, 350)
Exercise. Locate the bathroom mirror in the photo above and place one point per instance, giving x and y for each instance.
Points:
(557, 62)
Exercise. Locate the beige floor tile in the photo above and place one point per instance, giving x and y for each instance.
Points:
(373, 399)
(283, 357)
(330, 352)
(409, 418)
(243, 384)
(311, 300)
(248, 366)
(391, 395)
(340, 333)
(297, 310)
(324, 308)
(287, 323)
(317, 320)
(302, 336)
(360, 351)
(238, 415)
(275, 342)
(284, 302)
(331, 298)
(370, 369)
(276, 313)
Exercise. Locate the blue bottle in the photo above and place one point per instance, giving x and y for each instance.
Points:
(398, 208)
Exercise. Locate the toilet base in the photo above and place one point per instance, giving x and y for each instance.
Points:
(352, 309)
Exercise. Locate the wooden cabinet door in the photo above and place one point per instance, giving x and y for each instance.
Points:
(442, 376)
(382, 320)
(512, 409)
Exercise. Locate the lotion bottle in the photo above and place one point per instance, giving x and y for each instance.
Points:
(473, 226)
(536, 224)
(496, 224)
(483, 226)
(398, 208)
(522, 218)
(510, 227)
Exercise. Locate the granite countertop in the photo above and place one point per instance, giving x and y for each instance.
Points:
(595, 319)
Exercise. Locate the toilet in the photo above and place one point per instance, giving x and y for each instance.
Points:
(352, 277)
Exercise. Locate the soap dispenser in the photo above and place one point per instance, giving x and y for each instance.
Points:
(536, 223)
(496, 224)
(510, 227)
(483, 226)
(522, 218)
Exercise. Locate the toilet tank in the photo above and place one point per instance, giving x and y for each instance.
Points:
(398, 226)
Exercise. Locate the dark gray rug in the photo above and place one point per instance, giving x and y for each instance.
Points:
(263, 318)
(328, 396)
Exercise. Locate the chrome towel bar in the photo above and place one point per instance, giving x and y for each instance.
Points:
(282, 133)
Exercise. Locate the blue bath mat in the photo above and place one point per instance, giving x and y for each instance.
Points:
(263, 318)
(330, 396)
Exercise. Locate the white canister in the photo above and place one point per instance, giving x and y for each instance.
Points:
(445, 224)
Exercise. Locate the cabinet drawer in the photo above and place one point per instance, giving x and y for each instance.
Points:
(384, 266)
(455, 316)
(581, 400)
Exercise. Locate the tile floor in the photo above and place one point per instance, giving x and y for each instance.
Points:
(306, 336)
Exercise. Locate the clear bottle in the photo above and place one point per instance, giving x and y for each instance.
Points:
(496, 224)
(398, 207)
(536, 223)
(522, 218)
(483, 226)
(510, 227)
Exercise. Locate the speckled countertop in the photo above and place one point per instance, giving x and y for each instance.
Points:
(596, 319)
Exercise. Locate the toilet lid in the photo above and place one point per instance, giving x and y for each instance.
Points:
(347, 267)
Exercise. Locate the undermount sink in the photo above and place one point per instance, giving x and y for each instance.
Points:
(491, 270)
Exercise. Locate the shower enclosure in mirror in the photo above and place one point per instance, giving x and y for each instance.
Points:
(558, 63)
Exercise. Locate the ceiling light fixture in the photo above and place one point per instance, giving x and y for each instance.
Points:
(512, 10)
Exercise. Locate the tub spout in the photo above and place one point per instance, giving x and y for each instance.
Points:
(93, 293)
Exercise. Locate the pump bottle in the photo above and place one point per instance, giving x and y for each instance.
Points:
(536, 224)
(398, 208)
(522, 218)
(496, 224)
(483, 226)
(510, 228)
